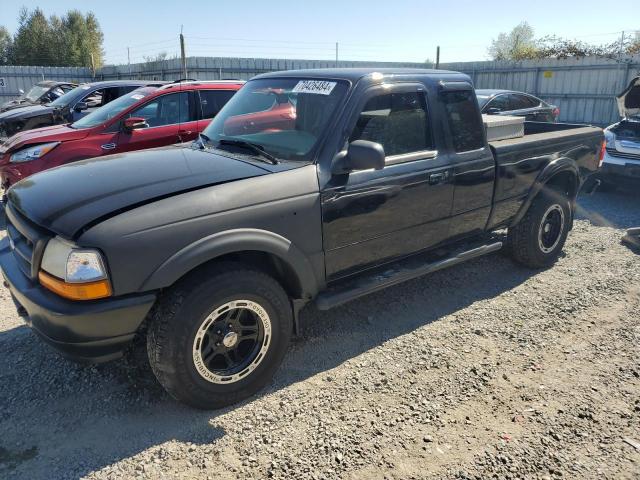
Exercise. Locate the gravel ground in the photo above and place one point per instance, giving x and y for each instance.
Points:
(485, 370)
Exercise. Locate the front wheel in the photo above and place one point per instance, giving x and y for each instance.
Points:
(219, 336)
(537, 240)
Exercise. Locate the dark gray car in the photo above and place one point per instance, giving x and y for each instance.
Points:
(68, 108)
(42, 92)
(508, 102)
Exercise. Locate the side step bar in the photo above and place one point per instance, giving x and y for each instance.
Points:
(407, 269)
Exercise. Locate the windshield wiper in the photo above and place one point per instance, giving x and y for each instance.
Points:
(254, 147)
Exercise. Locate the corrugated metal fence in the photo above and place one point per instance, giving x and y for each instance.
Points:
(13, 79)
(215, 68)
(584, 89)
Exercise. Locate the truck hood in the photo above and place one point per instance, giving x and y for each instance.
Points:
(54, 133)
(629, 100)
(68, 198)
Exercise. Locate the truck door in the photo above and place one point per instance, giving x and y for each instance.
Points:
(163, 116)
(372, 216)
(473, 164)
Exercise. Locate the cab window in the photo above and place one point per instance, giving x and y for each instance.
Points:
(397, 121)
(464, 121)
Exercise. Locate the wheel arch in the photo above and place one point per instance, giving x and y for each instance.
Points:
(260, 249)
(561, 175)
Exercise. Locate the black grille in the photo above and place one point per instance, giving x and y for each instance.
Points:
(616, 153)
(27, 241)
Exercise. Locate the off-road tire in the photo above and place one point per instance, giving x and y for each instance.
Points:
(181, 311)
(523, 242)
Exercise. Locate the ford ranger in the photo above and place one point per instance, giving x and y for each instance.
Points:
(209, 251)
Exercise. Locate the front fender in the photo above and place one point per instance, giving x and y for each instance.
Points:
(560, 165)
(232, 241)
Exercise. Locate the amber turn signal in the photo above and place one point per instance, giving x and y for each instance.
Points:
(75, 291)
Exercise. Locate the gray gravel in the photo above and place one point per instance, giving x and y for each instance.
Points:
(485, 370)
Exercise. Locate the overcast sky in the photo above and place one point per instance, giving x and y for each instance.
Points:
(400, 30)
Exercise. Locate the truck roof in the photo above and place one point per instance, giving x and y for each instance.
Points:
(355, 74)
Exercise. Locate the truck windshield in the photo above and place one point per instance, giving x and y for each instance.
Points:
(284, 116)
(112, 109)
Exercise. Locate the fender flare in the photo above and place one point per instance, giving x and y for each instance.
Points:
(552, 169)
(232, 241)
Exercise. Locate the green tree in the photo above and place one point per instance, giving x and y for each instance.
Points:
(33, 42)
(5, 46)
(518, 44)
(71, 40)
(82, 38)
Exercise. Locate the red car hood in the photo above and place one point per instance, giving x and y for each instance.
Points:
(54, 133)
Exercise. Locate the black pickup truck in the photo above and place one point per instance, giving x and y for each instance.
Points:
(309, 186)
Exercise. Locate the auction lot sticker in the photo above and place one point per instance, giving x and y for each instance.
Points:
(319, 87)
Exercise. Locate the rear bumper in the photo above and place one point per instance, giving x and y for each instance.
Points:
(95, 331)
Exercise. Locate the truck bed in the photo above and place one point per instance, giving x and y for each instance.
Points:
(519, 161)
(544, 133)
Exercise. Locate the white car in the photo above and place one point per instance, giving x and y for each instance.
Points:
(621, 163)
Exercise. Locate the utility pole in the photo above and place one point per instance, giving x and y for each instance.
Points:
(182, 54)
(129, 61)
(336, 54)
(438, 57)
(93, 66)
(623, 76)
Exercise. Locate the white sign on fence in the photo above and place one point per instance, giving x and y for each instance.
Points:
(2, 83)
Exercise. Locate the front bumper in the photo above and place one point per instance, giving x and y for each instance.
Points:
(92, 331)
(11, 173)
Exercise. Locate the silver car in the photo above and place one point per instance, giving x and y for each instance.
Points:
(621, 163)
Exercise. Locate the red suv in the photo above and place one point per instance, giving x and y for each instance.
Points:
(144, 118)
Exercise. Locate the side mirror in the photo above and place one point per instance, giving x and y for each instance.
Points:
(81, 106)
(361, 155)
(134, 123)
(493, 111)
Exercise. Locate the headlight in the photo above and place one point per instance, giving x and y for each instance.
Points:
(73, 272)
(32, 153)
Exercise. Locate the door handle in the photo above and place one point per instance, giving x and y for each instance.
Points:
(184, 132)
(436, 178)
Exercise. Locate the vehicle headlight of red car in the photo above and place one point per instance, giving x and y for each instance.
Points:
(33, 152)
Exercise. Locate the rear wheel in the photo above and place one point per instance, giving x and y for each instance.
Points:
(537, 240)
(219, 336)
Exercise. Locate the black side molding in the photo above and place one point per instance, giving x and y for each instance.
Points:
(402, 271)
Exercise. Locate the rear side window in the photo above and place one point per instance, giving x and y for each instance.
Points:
(501, 102)
(520, 102)
(397, 121)
(464, 120)
(212, 101)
